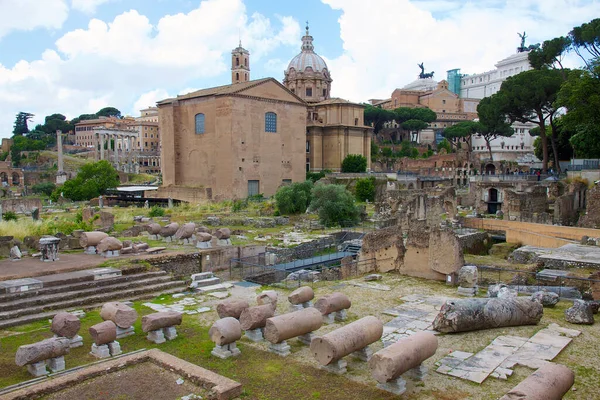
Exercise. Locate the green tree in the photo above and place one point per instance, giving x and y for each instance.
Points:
(445, 144)
(20, 127)
(92, 181)
(464, 129)
(83, 117)
(377, 116)
(492, 120)
(333, 204)
(580, 94)
(354, 163)
(43, 188)
(550, 54)
(365, 189)
(294, 198)
(414, 126)
(374, 150)
(562, 143)
(586, 42)
(109, 112)
(529, 97)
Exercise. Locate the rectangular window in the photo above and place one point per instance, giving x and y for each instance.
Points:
(324, 92)
(199, 123)
(287, 182)
(253, 188)
(307, 146)
(271, 122)
(308, 92)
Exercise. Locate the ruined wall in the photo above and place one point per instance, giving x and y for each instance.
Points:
(386, 246)
(189, 194)
(21, 205)
(423, 254)
(534, 201)
(417, 204)
(591, 219)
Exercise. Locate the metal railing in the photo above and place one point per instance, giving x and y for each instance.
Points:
(531, 281)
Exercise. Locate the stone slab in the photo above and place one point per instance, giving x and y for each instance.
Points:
(104, 273)
(500, 357)
(20, 285)
(221, 287)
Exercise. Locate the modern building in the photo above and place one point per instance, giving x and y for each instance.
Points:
(518, 147)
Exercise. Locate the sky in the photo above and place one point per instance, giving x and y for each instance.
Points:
(77, 56)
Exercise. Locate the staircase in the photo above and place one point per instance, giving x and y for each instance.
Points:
(74, 291)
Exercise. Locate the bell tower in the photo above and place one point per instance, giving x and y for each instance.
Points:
(240, 64)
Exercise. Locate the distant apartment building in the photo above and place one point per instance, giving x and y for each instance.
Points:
(518, 147)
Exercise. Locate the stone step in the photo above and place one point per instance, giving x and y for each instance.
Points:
(80, 302)
(205, 282)
(26, 319)
(221, 287)
(67, 294)
(79, 285)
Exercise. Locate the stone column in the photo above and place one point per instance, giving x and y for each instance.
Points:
(95, 141)
(101, 146)
(117, 152)
(60, 152)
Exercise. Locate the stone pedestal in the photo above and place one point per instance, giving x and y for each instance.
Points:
(338, 367)
(307, 338)
(341, 315)
(114, 348)
(396, 386)
(124, 332)
(111, 253)
(417, 373)
(90, 250)
(301, 306)
(56, 364)
(226, 351)
(76, 341)
(329, 318)
(168, 239)
(282, 349)
(363, 354)
(37, 369)
(49, 248)
(203, 245)
(153, 237)
(467, 291)
(187, 241)
(170, 332)
(156, 336)
(101, 351)
(256, 335)
(223, 242)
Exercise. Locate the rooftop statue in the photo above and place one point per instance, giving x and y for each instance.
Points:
(424, 75)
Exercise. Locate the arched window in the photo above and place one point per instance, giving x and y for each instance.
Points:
(246, 76)
(270, 122)
(237, 76)
(199, 124)
(246, 62)
(237, 61)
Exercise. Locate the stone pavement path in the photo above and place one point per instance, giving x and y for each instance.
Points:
(498, 358)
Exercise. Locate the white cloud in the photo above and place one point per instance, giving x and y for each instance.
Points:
(149, 99)
(87, 6)
(383, 44)
(129, 61)
(26, 15)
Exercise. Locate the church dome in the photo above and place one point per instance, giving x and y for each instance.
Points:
(307, 59)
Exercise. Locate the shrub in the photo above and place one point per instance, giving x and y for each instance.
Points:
(92, 180)
(365, 189)
(294, 198)
(334, 204)
(239, 205)
(9, 216)
(44, 188)
(354, 163)
(315, 176)
(156, 211)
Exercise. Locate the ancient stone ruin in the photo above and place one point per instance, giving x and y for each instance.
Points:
(160, 326)
(37, 356)
(406, 355)
(224, 333)
(254, 319)
(353, 338)
(549, 382)
(89, 241)
(105, 343)
(122, 315)
(232, 308)
(67, 325)
(298, 324)
(301, 298)
(333, 307)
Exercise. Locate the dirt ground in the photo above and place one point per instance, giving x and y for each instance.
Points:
(138, 382)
